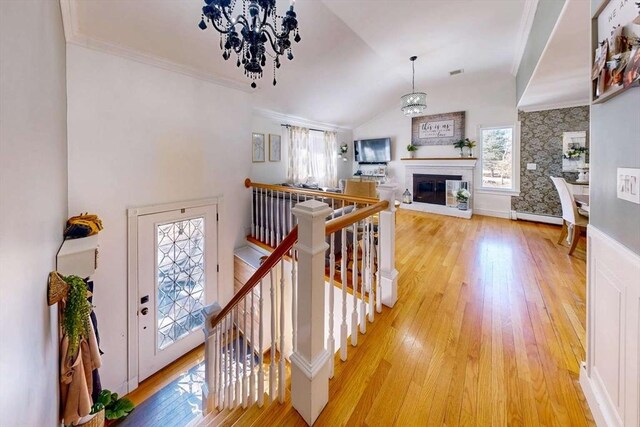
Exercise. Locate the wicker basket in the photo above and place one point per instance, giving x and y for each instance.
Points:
(57, 288)
(97, 421)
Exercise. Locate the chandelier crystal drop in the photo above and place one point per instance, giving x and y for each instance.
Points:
(414, 103)
(253, 34)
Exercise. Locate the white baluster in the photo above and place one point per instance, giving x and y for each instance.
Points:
(387, 240)
(364, 274)
(244, 373)
(290, 213)
(370, 274)
(260, 347)
(294, 298)
(331, 342)
(273, 225)
(238, 364)
(281, 370)
(252, 378)
(261, 207)
(354, 315)
(378, 290)
(253, 220)
(272, 365)
(277, 219)
(227, 351)
(210, 386)
(343, 279)
(219, 387)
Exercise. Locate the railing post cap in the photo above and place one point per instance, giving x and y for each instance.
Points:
(247, 183)
(312, 208)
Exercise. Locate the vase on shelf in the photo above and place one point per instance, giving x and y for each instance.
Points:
(412, 154)
(470, 152)
(463, 206)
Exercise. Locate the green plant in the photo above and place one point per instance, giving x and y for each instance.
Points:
(460, 144)
(114, 408)
(76, 321)
(462, 195)
(411, 148)
(469, 143)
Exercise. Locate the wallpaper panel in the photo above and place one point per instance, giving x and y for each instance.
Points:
(541, 143)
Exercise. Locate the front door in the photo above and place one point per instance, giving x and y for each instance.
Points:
(177, 276)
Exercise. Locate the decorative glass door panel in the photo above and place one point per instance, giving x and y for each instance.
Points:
(181, 278)
(177, 277)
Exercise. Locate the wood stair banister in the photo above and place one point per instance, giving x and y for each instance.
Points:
(313, 193)
(271, 261)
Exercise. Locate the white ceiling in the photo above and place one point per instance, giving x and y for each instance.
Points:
(352, 62)
(561, 78)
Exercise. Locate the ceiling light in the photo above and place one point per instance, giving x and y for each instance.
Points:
(251, 34)
(414, 103)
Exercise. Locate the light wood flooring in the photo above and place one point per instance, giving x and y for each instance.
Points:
(489, 330)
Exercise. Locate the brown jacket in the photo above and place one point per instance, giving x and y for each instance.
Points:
(76, 381)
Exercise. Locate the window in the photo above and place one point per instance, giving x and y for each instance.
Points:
(312, 157)
(498, 166)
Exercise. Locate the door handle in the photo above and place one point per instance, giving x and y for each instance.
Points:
(144, 311)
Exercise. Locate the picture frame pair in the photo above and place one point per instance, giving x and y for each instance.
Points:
(258, 148)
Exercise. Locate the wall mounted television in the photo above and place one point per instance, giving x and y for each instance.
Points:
(372, 151)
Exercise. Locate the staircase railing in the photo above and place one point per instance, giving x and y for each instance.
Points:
(361, 278)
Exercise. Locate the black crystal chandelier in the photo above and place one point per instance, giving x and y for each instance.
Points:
(253, 34)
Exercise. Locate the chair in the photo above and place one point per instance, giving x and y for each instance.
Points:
(571, 218)
(360, 188)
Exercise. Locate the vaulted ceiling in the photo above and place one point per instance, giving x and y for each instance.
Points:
(352, 61)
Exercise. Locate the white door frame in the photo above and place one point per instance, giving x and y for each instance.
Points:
(132, 272)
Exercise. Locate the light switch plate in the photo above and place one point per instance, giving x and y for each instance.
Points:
(532, 166)
(629, 184)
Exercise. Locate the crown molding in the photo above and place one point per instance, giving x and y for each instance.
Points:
(298, 121)
(526, 23)
(554, 106)
(73, 36)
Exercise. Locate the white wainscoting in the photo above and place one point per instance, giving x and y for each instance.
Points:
(611, 376)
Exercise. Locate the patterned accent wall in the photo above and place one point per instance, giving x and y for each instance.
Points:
(541, 143)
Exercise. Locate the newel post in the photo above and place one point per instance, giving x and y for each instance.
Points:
(209, 312)
(310, 361)
(387, 242)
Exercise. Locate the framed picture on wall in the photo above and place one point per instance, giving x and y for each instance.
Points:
(275, 148)
(257, 147)
(616, 55)
(437, 129)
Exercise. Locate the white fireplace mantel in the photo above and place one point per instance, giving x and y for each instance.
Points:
(463, 167)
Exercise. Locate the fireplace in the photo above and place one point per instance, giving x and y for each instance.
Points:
(432, 188)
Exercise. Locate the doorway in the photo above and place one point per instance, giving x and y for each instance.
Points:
(176, 265)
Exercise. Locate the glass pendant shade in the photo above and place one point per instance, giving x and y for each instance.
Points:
(414, 104)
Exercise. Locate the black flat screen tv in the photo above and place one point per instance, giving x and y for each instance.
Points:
(372, 150)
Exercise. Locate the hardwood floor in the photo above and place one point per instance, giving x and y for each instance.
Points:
(489, 329)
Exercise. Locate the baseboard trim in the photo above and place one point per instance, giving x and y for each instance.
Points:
(536, 218)
(594, 399)
(488, 212)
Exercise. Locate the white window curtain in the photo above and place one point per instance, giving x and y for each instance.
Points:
(312, 156)
(297, 139)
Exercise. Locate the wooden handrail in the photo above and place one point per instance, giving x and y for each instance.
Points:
(279, 252)
(262, 271)
(308, 192)
(341, 222)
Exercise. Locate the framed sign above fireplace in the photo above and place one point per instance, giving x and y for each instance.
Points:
(437, 129)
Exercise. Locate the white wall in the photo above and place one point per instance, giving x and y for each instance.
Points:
(33, 206)
(488, 101)
(276, 172)
(140, 135)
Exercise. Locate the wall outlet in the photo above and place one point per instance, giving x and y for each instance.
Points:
(629, 184)
(532, 166)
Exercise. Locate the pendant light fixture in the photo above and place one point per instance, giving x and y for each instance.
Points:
(414, 103)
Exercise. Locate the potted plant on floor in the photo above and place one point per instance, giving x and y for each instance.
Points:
(462, 197)
(412, 150)
(460, 144)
